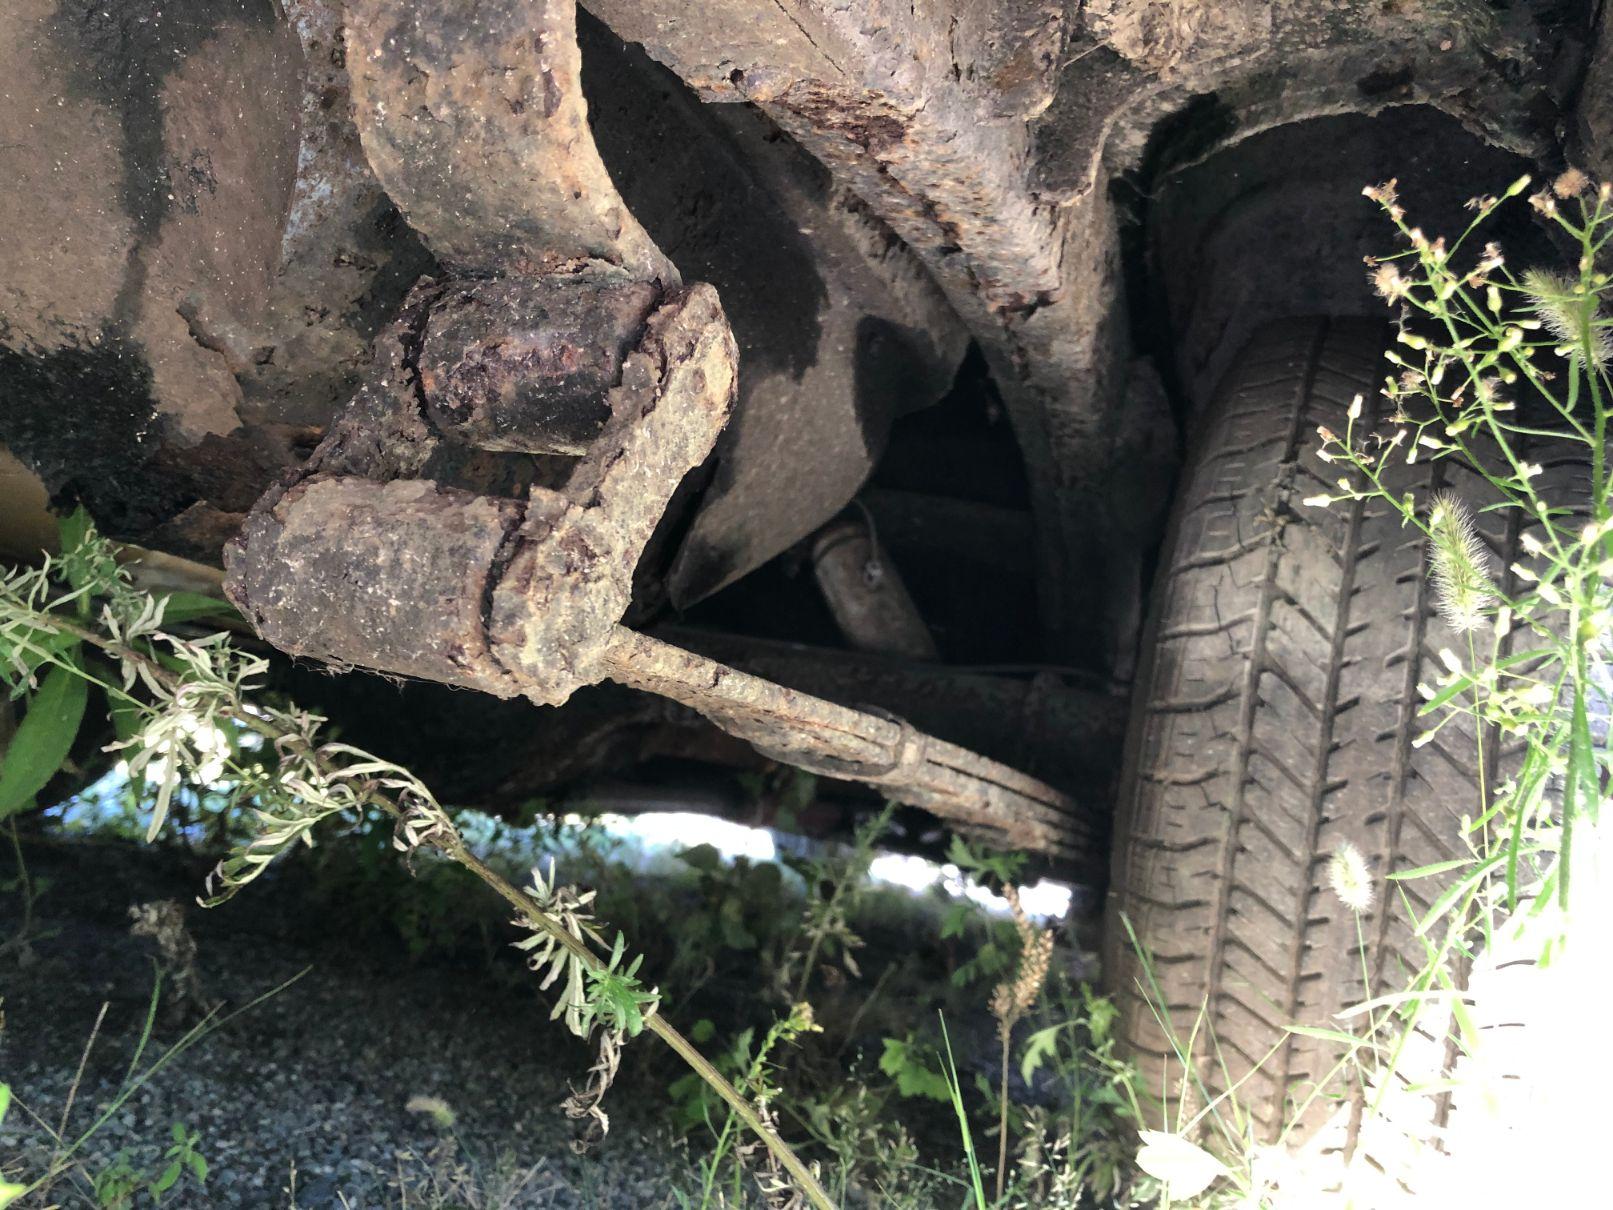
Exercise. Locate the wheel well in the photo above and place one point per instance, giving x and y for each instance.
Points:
(1274, 226)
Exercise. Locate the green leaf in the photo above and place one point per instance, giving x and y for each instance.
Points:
(1039, 1047)
(914, 1078)
(185, 606)
(955, 1095)
(1455, 891)
(1325, 1035)
(168, 1179)
(1417, 998)
(960, 854)
(127, 718)
(198, 1166)
(956, 920)
(731, 916)
(1466, 1026)
(1582, 754)
(72, 529)
(33, 647)
(762, 882)
(10, 1192)
(1004, 867)
(86, 566)
(1463, 683)
(1582, 785)
(1424, 871)
(43, 738)
(1531, 782)
(703, 857)
(1101, 1014)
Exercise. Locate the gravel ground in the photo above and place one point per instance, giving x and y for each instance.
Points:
(300, 1101)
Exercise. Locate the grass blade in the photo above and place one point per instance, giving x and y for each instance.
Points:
(955, 1087)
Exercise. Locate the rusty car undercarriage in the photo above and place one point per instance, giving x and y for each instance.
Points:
(670, 387)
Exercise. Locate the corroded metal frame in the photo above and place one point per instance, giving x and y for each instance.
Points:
(557, 308)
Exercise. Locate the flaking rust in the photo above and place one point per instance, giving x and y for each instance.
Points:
(510, 597)
(527, 363)
(561, 329)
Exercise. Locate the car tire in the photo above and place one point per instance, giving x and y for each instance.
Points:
(1272, 727)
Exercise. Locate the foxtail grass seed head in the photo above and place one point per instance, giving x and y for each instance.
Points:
(1459, 565)
(1015, 997)
(437, 1109)
(1351, 880)
(1569, 315)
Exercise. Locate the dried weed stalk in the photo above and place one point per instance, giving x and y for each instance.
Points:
(163, 920)
(183, 690)
(1011, 1000)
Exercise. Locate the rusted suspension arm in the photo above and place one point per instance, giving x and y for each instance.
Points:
(427, 581)
(970, 791)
